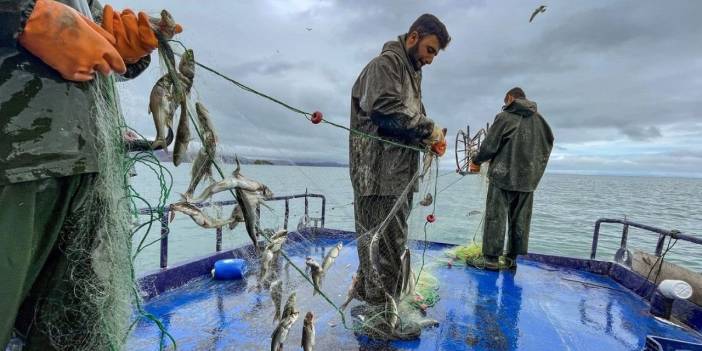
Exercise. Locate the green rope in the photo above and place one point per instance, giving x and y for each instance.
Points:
(307, 115)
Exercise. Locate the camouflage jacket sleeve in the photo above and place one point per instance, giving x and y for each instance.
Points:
(13, 16)
(499, 133)
(383, 92)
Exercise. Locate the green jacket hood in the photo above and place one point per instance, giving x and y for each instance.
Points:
(522, 107)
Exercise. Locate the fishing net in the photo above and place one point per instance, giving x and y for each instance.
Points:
(92, 308)
(393, 286)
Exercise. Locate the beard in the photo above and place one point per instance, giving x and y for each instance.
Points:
(413, 54)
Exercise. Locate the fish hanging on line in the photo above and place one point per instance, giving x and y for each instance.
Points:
(277, 297)
(316, 273)
(308, 333)
(331, 257)
(427, 200)
(197, 215)
(165, 26)
(350, 294)
(280, 334)
(163, 100)
(290, 305)
(187, 69)
(202, 165)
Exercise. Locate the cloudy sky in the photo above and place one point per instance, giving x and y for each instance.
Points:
(619, 82)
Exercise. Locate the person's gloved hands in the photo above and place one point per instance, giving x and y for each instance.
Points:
(134, 36)
(437, 140)
(69, 42)
(473, 168)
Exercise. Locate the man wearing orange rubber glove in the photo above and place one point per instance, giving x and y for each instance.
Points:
(63, 231)
(386, 101)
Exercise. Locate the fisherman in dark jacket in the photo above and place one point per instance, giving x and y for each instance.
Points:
(517, 145)
(56, 229)
(386, 101)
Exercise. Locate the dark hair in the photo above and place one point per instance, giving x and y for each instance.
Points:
(516, 93)
(428, 24)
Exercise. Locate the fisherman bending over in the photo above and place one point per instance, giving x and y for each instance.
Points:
(517, 145)
(64, 257)
(386, 101)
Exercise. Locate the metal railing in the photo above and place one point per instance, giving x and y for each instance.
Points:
(165, 230)
(663, 233)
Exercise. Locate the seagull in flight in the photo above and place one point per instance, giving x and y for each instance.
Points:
(538, 10)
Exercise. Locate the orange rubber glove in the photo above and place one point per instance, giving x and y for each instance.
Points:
(134, 36)
(473, 168)
(439, 147)
(69, 42)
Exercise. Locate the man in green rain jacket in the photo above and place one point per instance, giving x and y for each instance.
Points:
(386, 101)
(50, 56)
(517, 145)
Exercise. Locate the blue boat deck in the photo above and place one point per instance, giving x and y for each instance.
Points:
(538, 306)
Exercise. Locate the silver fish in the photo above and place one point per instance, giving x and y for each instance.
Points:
(197, 215)
(391, 311)
(248, 202)
(236, 217)
(206, 128)
(427, 323)
(276, 244)
(411, 284)
(283, 233)
(165, 25)
(266, 259)
(271, 254)
(280, 334)
(316, 273)
(187, 70)
(202, 166)
(164, 100)
(182, 135)
(331, 256)
(427, 200)
(406, 266)
(290, 305)
(186, 67)
(162, 106)
(351, 293)
(229, 183)
(277, 297)
(308, 333)
(374, 248)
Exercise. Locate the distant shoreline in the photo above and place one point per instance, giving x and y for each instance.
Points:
(230, 159)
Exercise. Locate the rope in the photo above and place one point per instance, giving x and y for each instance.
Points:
(307, 115)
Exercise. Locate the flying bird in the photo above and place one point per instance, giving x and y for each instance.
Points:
(308, 29)
(538, 10)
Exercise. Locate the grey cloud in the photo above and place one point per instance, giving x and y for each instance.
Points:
(604, 71)
(640, 133)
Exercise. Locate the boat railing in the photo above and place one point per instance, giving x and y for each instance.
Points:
(218, 244)
(663, 234)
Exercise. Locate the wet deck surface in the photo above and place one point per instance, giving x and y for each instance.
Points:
(536, 307)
